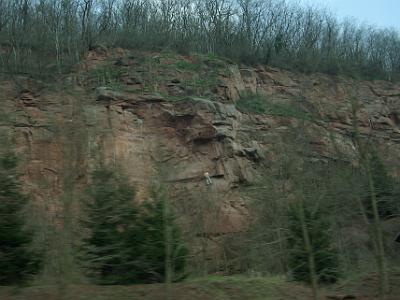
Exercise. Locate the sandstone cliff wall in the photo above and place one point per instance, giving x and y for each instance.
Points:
(62, 133)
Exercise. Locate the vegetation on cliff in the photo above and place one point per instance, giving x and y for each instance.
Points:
(48, 36)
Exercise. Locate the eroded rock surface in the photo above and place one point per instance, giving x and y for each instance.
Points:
(70, 130)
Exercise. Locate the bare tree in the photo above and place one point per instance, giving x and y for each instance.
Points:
(375, 228)
(275, 32)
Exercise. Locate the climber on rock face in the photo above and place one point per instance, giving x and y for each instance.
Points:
(139, 122)
(208, 178)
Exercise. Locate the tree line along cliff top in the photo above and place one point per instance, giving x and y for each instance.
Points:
(41, 38)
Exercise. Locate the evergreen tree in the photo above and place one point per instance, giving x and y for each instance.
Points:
(17, 261)
(383, 188)
(157, 232)
(110, 217)
(325, 257)
(126, 243)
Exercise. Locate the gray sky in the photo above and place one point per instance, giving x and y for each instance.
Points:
(382, 13)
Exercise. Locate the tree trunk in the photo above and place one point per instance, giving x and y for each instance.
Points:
(310, 252)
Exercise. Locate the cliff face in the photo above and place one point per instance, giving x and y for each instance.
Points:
(122, 108)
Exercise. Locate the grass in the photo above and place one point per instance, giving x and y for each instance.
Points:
(212, 60)
(197, 77)
(203, 82)
(368, 284)
(184, 65)
(259, 104)
(208, 288)
(205, 288)
(172, 98)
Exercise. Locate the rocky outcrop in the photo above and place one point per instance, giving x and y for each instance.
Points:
(73, 128)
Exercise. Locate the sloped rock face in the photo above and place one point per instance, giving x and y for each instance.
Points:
(63, 134)
(185, 139)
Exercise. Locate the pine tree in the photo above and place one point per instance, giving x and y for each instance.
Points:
(110, 217)
(324, 255)
(126, 242)
(383, 189)
(17, 261)
(157, 232)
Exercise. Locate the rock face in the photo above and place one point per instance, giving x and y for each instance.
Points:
(64, 133)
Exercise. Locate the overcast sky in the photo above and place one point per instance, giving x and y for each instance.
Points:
(382, 13)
